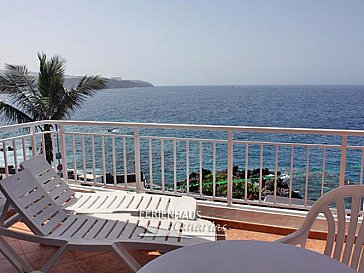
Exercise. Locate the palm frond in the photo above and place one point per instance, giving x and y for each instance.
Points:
(20, 87)
(51, 75)
(50, 83)
(76, 96)
(88, 86)
(17, 78)
(13, 114)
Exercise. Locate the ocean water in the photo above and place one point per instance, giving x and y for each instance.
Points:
(329, 107)
(332, 107)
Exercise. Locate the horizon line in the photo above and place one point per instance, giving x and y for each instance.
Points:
(294, 84)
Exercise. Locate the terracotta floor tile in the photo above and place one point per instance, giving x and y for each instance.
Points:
(69, 268)
(237, 234)
(20, 226)
(316, 245)
(38, 258)
(74, 256)
(106, 262)
(29, 247)
(101, 265)
(6, 267)
(14, 244)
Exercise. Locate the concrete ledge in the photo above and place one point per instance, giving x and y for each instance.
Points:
(270, 229)
(265, 222)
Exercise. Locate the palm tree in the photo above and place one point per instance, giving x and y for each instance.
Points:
(33, 98)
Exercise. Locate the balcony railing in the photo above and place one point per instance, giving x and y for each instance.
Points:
(228, 164)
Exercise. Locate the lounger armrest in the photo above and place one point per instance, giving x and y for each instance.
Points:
(32, 237)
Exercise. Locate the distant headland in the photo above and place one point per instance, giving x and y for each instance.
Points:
(115, 82)
(71, 81)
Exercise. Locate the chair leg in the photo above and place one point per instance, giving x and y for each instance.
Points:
(54, 259)
(124, 255)
(13, 257)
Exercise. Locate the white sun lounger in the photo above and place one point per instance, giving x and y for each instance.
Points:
(108, 201)
(51, 225)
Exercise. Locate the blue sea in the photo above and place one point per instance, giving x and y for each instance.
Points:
(332, 107)
(329, 107)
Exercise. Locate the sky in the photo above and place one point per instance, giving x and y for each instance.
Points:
(191, 42)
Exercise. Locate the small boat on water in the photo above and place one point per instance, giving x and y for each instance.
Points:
(112, 130)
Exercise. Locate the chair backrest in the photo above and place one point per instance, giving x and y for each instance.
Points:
(56, 187)
(346, 237)
(37, 209)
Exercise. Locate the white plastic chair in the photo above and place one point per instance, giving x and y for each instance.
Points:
(345, 236)
(51, 225)
(106, 201)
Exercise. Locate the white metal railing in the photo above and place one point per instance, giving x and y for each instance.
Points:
(117, 154)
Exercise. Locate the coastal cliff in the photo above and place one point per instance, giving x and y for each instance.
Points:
(111, 83)
(72, 81)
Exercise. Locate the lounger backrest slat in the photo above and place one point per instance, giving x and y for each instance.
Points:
(23, 189)
(46, 176)
(62, 193)
(57, 188)
(37, 208)
(30, 198)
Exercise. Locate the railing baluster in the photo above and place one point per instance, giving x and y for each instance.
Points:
(361, 167)
(15, 156)
(64, 151)
(174, 165)
(113, 160)
(24, 146)
(261, 172)
(103, 159)
(74, 158)
(83, 158)
(93, 158)
(214, 169)
(5, 159)
(43, 147)
(291, 176)
(33, 141)
(54, 150)
(276, 176)
(188, 166)
(125, 167)
(162, 163)
(323, 172)
(307, 174)
(137, 160)
(150, 164)
(230, 168)
(246, 172)
(344, 141)
(201, 164)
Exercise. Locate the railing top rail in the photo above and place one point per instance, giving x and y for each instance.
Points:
(215, 127)
(5, 128)
(334, 132)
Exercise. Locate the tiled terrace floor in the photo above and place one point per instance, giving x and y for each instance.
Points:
(104, 262)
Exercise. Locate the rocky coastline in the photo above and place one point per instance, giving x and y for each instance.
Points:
(253, 175)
